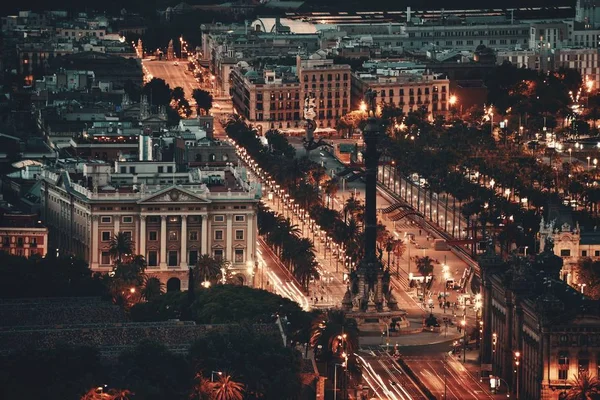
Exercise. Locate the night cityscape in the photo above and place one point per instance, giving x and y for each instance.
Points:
(300, 200)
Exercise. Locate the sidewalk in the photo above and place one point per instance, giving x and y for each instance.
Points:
(411, 339)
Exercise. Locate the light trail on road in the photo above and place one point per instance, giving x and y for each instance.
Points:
(378, 385)
(285, 288)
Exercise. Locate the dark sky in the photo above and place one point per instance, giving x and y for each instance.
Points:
(8, 6)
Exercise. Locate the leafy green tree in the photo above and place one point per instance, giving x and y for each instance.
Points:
(50, 276)
(178, 94)
(65, 372)
(203, 100)
(158, 92)
(152, 371)
(267, 369)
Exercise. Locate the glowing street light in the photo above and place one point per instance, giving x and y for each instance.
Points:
(453, 99)
(363, 106)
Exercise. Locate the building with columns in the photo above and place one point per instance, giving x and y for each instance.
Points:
(173, 215)
(538, 333)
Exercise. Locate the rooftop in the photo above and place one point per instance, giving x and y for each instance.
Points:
(197, 184)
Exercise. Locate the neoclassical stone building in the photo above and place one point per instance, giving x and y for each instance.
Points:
(532, 317)
(571, 242)
(173, 216)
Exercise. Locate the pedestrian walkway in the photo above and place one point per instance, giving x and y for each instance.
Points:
(414, 338)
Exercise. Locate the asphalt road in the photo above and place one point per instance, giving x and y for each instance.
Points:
(174, 75)
(446, 375)
(385, 378)
(274, 277)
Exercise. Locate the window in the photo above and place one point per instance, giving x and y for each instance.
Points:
(20, 242)
(106, 236)
(153, 236)
(132, 170)
(172, 235)
(597, 253)
(563, 365)
(152, 258)
(565, 253)
(218, 254)
(240, 218)
(583, 253)
(105, 258)
(219, 218)
(239, 255)
(6, 241)
(169, 169)
(123, 170)
(172, 261)
(161, 170)
(106, 220)
(127, 220)
(127, 234)
(193, 257)
(33, 242)
(193, 235)
(239, 234)
(219, 235)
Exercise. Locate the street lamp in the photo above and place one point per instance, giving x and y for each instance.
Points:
(212, 375)
(582, 285)
(343, 365)
(517, 362)
(463, 323)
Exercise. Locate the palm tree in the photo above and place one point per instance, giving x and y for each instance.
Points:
(121, 245)
(335, 333)
(305, 267)
(120, 394)
(228, 389)
(203, 388)
(152, 288)
(352, 207)
(584, 387)
(207, 268)
(424, 265)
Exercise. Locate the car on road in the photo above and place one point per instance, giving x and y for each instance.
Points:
(175, 63)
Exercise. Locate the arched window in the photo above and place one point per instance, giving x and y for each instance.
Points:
(212, 158)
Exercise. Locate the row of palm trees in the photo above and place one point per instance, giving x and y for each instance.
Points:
(295, 252)
(307, 183)
(304, 180)
(224, 388)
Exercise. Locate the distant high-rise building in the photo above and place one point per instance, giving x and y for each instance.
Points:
(145, 148)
